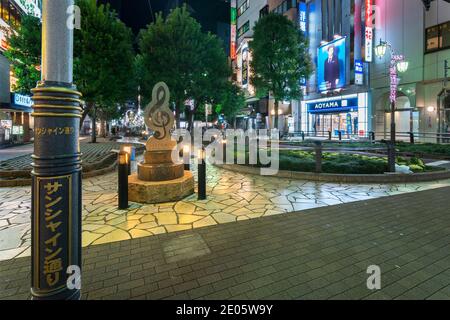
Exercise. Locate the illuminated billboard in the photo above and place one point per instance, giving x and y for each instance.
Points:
(331, 65)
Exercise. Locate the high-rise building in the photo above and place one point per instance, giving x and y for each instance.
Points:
(15, 109)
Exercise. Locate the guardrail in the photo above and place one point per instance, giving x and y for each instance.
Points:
(411, 137)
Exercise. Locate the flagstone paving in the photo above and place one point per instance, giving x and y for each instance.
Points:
(322, 253)
(231, 197)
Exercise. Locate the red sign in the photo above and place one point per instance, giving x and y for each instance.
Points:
(368, 13)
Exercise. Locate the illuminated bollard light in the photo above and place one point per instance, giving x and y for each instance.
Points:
(201, 174)
(224, 151)
(186, 154)
(124, 161)
(129, 150)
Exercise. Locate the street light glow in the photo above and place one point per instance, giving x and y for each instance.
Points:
(402, 66)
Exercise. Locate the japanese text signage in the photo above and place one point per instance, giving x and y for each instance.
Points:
(369, 32)
(53, 232)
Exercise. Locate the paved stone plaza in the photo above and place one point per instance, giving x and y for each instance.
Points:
(320, 253)
(232, 197)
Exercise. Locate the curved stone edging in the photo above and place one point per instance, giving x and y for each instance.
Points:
(346, 178)
(27, 182)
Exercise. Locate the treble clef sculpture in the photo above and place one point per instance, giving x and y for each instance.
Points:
(158, 115)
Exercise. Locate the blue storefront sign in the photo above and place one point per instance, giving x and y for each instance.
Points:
(359, 72)
(333, 106)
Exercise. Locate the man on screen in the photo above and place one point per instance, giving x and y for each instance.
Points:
(332, 71)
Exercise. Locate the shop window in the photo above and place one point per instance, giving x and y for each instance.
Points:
(437, 37)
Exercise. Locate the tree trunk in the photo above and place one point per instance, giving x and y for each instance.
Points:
(276, 115)
(178, 114)
(103, 128)
(94, 125)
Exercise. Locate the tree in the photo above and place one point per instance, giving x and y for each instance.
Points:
(231, 103)
(210, 82)
(24, 52)
(170, 52)
(192, 63)
(103, 60)
(280, 59)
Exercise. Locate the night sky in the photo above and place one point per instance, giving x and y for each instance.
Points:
(138, 13)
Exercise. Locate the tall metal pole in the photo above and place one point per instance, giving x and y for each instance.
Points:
(56, 188)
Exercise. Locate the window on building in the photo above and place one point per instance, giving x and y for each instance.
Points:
(244, 6)
(264, 11)
(437, 37)
(285, 6)
(243, 29)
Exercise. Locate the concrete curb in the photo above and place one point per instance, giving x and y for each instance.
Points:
(27, 181)
(345, 178)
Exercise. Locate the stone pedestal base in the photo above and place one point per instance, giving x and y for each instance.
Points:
(160, 191)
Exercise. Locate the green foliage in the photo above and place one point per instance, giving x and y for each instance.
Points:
(232, 101)
(25, 54)
(280, 58)
(341, 163)
(192, 63)
(103, 56)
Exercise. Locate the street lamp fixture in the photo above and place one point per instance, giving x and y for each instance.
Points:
(380, 50)
(402, 66)
(398, 64)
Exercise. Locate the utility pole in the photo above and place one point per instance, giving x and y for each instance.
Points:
(56, 187)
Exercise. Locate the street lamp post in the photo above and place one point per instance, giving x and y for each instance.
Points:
(56, 175)
(398, 64)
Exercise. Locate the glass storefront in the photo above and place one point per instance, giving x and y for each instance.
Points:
(345, 114)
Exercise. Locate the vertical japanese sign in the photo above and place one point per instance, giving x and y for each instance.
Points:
(245, 63)
(233, 33)
(302, 18)
(302, 24)
(359, 72)
(53, 230)
(369, 32)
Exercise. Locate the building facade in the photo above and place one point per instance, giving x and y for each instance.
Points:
(423, 103)
(15, 121)
(356, 99)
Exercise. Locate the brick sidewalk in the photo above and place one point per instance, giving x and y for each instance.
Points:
(315, 254)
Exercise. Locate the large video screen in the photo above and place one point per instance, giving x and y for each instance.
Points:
(331, 65)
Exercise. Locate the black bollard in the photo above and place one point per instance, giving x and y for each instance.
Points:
(329, 135)
(124, 161)
(186, 155)
(411, 137)
(318, 153)
(340, 135)
(224, 151)
(201, 175)
(303, 136)
(372, 136)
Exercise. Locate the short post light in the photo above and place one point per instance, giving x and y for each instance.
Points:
(224, 151)
(128, 150)
(124, 160)
(187, 157)
(201, 174)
